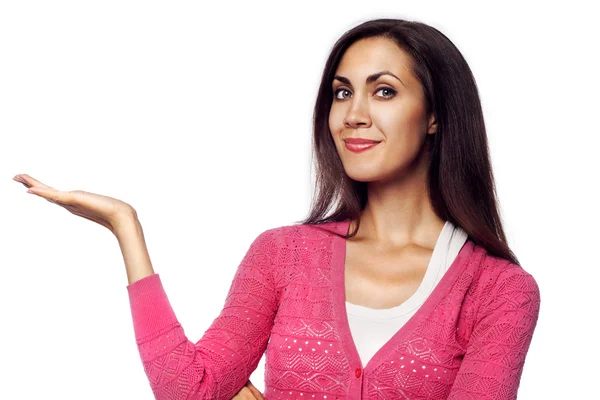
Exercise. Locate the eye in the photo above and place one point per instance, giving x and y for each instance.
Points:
(390, 90)
(335, 92)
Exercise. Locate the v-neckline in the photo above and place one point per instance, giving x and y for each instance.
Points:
(339, 300)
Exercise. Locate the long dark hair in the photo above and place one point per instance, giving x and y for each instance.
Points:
(460, 179)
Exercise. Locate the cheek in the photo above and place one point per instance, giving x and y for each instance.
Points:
(335, 121)
(335, 128)
(404, 136)
(399, 126)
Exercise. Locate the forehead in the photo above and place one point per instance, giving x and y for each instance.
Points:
(370, 55)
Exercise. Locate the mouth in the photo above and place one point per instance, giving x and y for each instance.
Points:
(360, 141)
(357, 148)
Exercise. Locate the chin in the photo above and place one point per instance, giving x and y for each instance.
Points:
(363, 176)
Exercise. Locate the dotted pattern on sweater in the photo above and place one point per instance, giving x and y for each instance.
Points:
(468, 340)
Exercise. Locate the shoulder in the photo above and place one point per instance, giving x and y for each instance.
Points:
(281, 246)
(278, 242)
(289, 233)
(506, 273)
(503, 280)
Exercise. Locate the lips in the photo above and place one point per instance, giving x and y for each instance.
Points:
(357, 148)
(360, 141)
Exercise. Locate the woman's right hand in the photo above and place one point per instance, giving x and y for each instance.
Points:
(103, 210)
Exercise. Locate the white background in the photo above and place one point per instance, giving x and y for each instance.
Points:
(199, 115)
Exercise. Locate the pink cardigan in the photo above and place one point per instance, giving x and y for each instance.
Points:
(467, 341)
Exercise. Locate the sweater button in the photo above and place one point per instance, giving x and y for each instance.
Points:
(357, 372)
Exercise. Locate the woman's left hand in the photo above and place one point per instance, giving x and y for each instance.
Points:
(248, 392)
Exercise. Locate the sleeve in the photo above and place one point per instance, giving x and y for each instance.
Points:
(492, 366)
(220, 363)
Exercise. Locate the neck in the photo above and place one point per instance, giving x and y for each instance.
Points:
(399, 213)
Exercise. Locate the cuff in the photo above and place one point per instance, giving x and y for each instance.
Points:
(150, 307)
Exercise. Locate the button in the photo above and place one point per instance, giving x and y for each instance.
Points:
(358, 372)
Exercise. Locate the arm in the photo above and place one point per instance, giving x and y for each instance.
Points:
(221, 362)
(492, 366)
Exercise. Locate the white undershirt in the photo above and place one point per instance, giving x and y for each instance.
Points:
(372, 328)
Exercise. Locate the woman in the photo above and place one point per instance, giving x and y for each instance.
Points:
(407, 290)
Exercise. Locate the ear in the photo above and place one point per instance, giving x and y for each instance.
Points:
(433, 126)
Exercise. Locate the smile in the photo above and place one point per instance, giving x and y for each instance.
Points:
(357, 148)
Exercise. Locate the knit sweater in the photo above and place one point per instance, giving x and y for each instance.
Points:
(468, 340)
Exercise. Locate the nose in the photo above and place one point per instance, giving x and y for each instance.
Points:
(358, 115)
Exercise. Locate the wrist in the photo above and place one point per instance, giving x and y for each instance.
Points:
(130, 235)
(125, 222)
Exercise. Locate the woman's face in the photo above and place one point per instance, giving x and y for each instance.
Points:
(386, 109)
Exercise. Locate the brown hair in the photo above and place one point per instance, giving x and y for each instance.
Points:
(460, 179)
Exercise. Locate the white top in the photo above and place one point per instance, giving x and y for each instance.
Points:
(372, 328)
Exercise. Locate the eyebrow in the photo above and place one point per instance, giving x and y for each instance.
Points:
(370, 79)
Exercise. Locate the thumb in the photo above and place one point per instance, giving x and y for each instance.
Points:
(255, 391)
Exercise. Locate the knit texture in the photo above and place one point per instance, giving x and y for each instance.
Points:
(467, 341)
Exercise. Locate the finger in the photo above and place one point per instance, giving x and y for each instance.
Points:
(255, 391)
(70, 201)
(52, 195)
(29, 181)
(244, 394)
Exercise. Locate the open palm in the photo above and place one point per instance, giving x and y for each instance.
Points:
(103, 210)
